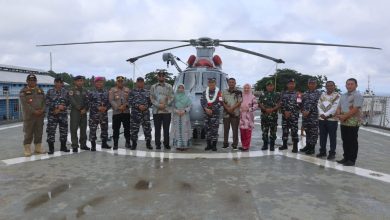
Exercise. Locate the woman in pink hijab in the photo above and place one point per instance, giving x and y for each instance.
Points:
(248, 106)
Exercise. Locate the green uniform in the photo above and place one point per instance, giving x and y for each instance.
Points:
(79, 100)
(32, 99)
(269, 122)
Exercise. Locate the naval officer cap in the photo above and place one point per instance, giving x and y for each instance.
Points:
(291, 80)
(312, 80)
(31, 77)
(120, 78)
(212, 79)
(78, 77)
(58, 79)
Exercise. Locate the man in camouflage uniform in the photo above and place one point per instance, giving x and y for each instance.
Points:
(78, 97)
(290, 106)
(232, 98)
(211, 102)
(118, 97)
(139, 102)
(98, 107)
(310, 115)
(269, 103)
(32, 99)
(57, 101)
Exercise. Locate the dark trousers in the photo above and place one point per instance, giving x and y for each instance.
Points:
(165, 121)
(227, 122)
(117, 121)
(328, 128)
(349, 135)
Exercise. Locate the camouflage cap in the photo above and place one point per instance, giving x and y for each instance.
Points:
(140, 79)
(120, 78)
(269, 82)
(78, 77)
(312, 80)
(291, 80)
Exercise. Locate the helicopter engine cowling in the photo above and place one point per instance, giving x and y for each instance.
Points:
(203, 63)
(191, 60)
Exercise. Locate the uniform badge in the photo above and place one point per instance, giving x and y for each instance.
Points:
(30, 101)
(70, 92)
(117, 97)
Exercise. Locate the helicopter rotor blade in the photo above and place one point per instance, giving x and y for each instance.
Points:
(301, 43)
(133, 59)
(108, 41)
(252, 52)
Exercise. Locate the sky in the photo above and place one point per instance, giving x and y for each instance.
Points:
(24, 24)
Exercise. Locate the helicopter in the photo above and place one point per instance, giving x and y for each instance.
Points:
(203, 66)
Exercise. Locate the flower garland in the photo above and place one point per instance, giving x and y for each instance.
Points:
(208, 95)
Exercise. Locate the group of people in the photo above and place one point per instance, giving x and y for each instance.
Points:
(171, 110)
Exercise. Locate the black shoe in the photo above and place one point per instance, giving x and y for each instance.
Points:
(127, 144)
(284, 146)
(214, 146)
(243, 149)
(134, 145)
(225, 145)
(208, 147)
(349, 163)
(167, 147)
(310, 152)
(265, 146)
(105, 145)
(342, 161)
(304, 149)
(331, 156)
(321, 154)
(158, 147)
(272, 145)
(63, 147)
(93, 146)
(75, 149)
(51, 148)
(234, 147)
(295, 147)
(149, 145)
(115, 144)
(84, 147)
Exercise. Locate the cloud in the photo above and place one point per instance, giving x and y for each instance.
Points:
(23, 24)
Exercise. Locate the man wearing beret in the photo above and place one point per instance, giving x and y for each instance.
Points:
(269, 103)
(290, 105)
(139, 102)
(78, 97)
(98, 107)
(310, 115)
(118, 97)
(32, 99)
(57, 101)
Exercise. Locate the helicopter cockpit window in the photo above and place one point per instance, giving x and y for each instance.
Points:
(189, 80)
(207, 75)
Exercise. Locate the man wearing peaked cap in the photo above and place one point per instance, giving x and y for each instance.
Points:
(118, 97)
(99, 104)
(290, 106)
(269, 103)
(32, 99)
(57, 100)
(78, 97)
(310, 115)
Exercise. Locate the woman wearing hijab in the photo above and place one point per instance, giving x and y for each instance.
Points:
(248, 106)
(181, 124)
